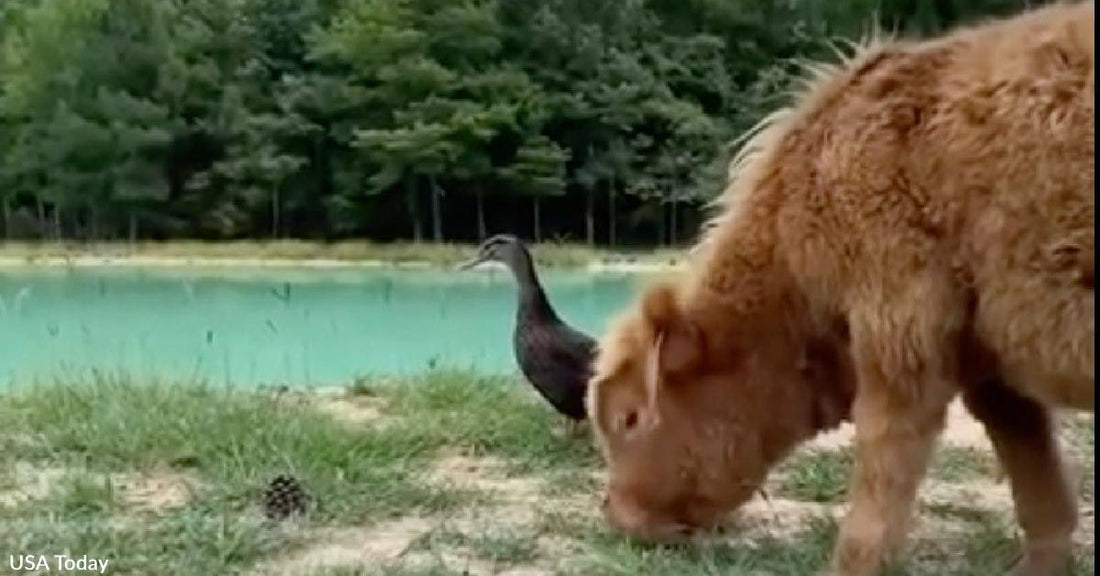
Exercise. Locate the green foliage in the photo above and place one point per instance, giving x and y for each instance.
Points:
(370, 118)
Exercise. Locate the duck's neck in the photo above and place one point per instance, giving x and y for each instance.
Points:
(533, 303)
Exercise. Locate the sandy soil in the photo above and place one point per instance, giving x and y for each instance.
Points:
(150, 491)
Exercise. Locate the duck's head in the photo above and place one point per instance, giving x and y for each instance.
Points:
(503, 248)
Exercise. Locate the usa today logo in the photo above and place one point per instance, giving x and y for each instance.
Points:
(59, 562)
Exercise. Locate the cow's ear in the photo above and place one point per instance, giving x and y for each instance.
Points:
(676, 343)
(675, 347)
(659, 306)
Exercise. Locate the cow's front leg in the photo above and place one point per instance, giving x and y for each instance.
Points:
(906, 379)
(893, 445)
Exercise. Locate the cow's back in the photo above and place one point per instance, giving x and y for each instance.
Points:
(1028, 237)
(973, 154)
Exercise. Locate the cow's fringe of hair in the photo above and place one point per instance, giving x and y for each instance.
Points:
(817, 82)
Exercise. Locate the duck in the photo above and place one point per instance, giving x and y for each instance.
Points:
(555, 358)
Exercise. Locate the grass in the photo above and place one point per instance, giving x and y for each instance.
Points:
(233, 441)
(498, 546)
(802, 553)
(486, 416)
(819, 476)
(93, 435)
(85, 495)
(438, 569)
(547, 254)
(961, 464)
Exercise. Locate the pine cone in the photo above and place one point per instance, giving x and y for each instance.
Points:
(284, 497)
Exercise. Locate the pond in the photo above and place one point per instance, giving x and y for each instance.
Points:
(299, 327)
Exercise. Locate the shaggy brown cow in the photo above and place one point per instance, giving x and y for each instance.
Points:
(919, 226)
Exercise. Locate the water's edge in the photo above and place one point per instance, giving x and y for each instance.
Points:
(313, 263)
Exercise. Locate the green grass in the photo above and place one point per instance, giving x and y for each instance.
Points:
(958, 464)
(801, 554)
(553, 254)
(231, 442)
(1078, 432)
(84, 495)
(506, 546)
(819, 476)
(487, 416)
(822, 475)
(235, 441)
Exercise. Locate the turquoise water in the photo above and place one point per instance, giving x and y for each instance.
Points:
(297, 327)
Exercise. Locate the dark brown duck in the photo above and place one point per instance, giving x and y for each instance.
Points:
(555, 358)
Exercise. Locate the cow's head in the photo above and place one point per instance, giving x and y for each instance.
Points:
(688, 418)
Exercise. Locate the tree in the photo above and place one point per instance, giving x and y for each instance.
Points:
(537, 171)
(353, 118)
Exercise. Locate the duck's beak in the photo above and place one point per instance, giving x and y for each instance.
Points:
(471, 263)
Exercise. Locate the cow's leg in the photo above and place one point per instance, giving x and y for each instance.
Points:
(893, 446)
(904, 352)
(1023, 436)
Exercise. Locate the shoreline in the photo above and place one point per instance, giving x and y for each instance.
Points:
(195, 261)
(597, 265)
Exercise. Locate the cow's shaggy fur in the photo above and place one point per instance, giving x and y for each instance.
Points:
(918, 226)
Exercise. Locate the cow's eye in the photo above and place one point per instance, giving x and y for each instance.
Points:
(630, 421)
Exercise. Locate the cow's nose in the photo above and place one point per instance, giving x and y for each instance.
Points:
(624, 514)
(675, 533)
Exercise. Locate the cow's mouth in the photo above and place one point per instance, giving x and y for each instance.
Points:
(663, 528)
(677, 532)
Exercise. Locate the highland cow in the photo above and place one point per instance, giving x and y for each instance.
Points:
(919, 226)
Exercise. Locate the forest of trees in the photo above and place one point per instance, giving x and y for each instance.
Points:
(606, 121)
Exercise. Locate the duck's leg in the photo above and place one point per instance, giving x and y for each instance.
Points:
(576, 428)
(571, 428)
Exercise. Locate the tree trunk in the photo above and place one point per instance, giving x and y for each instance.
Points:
(57, 222)
(414, 214)
(589, 218)
(611, 212)
(93, 223)
(133, 228)
(672, 224)
(7, 217)
(42, 230)
(662, 217)
(538, 223)
(275, 213)
(437, 218)
(481, 231)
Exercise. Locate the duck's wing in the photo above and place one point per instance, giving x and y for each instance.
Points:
(557, 361)
(575, 348)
